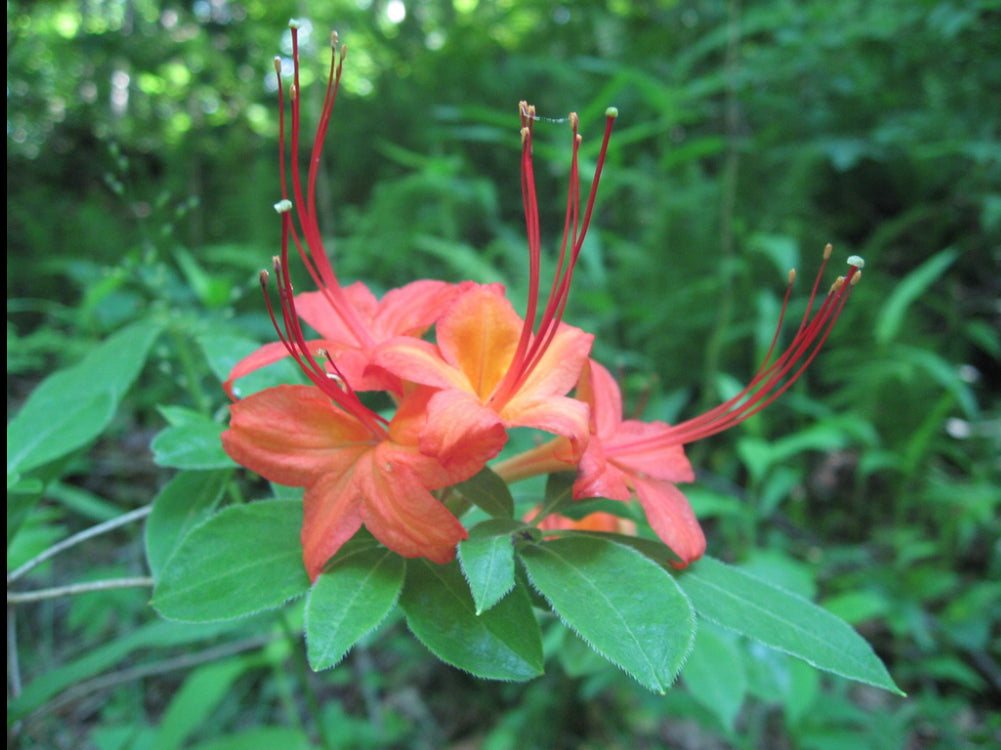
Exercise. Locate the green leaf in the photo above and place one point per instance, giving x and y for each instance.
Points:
(212, 291)
(466, 260)
(804, 685)
(158, 634)
(222, 352)
(185, 502)
(348, 600)
(503, 643)
(559, 490)
(783, 621)
(627, 607)
(908, 289)
(245, 559)
(487, 559)
(73, 406)
(715, 674)
(558, 496)
(22, 495)
(192, 441)
(198, 698)
(488, 492)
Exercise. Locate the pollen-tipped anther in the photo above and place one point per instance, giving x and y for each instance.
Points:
(612, 112)
(294, 24)
(856, 261)
(334, 39)
(283, 206)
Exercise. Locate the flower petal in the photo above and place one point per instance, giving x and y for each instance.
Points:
(293, 435)
(262, 357)
(479, 334)
(561, 365)
(599, 521)
(671, 518)
(597, 477)
(559, 415)
(316, 309)
(598, 389)
(460, 431)
(419, 362)
(665, 463)
(411, 309)
(331, 516)
(400, 511)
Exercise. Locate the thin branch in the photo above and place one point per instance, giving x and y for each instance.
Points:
(113, 679)
(93, 531)
(77, 588)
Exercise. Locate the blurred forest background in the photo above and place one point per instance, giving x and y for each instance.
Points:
(141, 173)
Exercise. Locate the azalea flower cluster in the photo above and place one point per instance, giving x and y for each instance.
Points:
(488, 370)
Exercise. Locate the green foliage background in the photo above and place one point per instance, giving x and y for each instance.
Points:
(141, 170)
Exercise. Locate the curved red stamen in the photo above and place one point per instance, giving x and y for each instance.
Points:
(332, 384)
(310, 248)
(310, 245)
(533, 343)
(774, 379)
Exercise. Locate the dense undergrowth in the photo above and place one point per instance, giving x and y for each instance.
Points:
(141, 173)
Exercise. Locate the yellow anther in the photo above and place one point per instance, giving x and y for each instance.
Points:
(828, 249)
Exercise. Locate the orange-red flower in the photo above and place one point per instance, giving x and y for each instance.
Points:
(598, 521)
(355, 466)
(493, 367)
(627, 456)
(355, 470)
(618, 463)
(477, 338)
